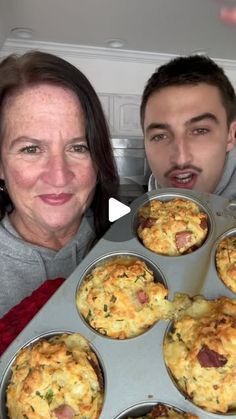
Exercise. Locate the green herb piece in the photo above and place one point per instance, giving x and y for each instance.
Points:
(139, 277)
(113, 298)
(49, 396)
(124, 275)
(88, 315)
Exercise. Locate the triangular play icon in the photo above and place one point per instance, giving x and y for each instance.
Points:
(116, 209)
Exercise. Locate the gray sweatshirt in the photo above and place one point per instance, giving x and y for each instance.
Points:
(227, 185)
(24, 267)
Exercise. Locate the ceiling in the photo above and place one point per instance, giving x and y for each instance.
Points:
(159, 26)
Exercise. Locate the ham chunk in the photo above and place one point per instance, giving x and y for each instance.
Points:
(203, 224)
(210, 359)
(142, 297)
(64, 412)
(148, 222)
(182, 239)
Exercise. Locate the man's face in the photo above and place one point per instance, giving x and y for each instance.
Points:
(187, 137)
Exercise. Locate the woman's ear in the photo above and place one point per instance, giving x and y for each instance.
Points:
(231, 141)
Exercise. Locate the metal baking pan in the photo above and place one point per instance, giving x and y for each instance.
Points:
(134, 371)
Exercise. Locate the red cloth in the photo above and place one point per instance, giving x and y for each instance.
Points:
(13, 322)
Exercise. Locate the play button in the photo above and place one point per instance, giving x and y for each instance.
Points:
(116, 209)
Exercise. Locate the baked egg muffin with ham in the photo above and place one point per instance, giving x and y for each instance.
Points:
(226, 261)
(172, 228)
(121, 298)
(200, 353)
(56, 378)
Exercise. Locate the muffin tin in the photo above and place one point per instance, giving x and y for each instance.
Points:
(134, 370)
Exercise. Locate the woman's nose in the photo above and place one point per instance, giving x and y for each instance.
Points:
(181, 154)
(57, 171)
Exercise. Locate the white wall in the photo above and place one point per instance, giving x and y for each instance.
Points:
(109, 76)
(4, 20)
(110, 71)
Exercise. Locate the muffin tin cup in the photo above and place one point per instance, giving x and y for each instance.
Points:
(134, 369)
(7, 375)
(209, 286)
(205, 413)
(157, 274)
(143, 409)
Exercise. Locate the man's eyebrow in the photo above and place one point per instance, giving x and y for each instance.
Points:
(198, 118)
(156, 125)
(202, 117)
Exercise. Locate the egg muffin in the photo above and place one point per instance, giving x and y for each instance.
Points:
(200, 352)
(226, 262)
(120, 297)
(165, 412)
(172, 227)
(55, 377)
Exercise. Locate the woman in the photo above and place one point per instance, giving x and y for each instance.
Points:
(57, 172)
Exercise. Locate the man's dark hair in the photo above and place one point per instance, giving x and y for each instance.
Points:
(35, 67)
(191, 70)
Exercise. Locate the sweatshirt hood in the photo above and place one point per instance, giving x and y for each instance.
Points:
(229, 173)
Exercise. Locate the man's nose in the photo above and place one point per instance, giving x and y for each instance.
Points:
(181, 153)
(57, 171)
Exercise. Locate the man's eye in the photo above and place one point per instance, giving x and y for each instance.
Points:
(159, 137)
(200, 131)
(29, 149)
(80, 148)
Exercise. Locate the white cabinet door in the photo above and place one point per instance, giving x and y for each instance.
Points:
(122, 112)
(126, 115)
(107, 104)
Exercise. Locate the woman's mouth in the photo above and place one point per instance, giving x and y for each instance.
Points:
(56, 199)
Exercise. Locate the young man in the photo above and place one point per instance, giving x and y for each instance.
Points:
(188, 116)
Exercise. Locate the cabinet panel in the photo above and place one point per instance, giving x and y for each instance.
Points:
(107, 104)
(122, 112)
(126, 115)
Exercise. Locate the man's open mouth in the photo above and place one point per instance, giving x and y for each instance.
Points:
(184, 180)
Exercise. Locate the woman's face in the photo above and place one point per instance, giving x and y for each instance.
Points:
(45, 161)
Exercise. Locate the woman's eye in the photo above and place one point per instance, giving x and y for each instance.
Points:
(29, 149)
(80, 148)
